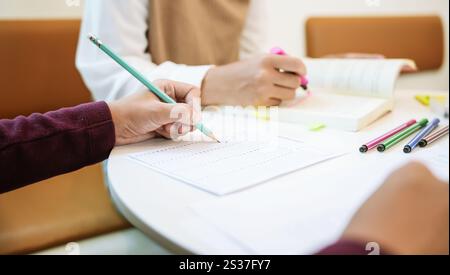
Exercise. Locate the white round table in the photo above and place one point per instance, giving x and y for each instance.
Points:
(161, 206)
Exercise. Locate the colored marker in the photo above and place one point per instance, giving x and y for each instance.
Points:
(402, 135)
(434, 137)
(374, 143)
(303, 80)
(425, 132)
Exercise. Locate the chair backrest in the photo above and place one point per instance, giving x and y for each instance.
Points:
(420, 38)
(37, 67)
(38, 74)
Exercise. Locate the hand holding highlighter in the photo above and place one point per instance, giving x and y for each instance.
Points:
(303, 80)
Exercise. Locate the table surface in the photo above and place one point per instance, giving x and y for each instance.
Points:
(161, 206)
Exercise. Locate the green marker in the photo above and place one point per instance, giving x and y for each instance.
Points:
(402, 135)
(160, 94)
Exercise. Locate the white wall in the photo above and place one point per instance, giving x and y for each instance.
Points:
(285, 21)
(26, 9)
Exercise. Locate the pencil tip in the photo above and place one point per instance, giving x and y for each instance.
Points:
(214, 138)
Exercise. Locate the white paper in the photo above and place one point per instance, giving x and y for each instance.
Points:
(287, 220)
(231, 166)
(305, 215)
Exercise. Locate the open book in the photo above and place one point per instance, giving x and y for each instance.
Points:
(347, 94)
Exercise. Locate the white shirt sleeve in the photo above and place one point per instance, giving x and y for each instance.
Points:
(254, 36)
(123, 26)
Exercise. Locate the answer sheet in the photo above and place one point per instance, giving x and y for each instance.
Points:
(223, 168)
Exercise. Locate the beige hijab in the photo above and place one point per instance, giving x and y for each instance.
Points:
(196, 32)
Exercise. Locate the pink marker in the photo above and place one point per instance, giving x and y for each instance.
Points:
(374, 143)
(303, 80)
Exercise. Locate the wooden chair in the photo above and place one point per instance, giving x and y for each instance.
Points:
(38, 74)
(420, 38)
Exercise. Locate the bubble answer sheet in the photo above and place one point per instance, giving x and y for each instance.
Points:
(224, 168)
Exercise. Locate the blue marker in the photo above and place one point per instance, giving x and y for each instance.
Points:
(416, 140)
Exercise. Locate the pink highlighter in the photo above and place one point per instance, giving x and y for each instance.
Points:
(303, 80)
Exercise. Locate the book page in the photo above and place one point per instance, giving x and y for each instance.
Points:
(223, 168)
(363, 77)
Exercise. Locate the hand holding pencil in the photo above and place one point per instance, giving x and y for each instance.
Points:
(143, 116)
(163, 96)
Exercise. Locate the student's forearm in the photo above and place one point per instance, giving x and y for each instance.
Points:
(41, 146)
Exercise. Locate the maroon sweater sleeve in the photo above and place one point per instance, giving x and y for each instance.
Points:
(41, 146)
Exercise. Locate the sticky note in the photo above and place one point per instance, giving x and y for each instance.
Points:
(316, 127)
(426, 99)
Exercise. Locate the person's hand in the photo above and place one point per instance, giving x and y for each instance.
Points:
(408, 215)
(142, 116)
(257, 81)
